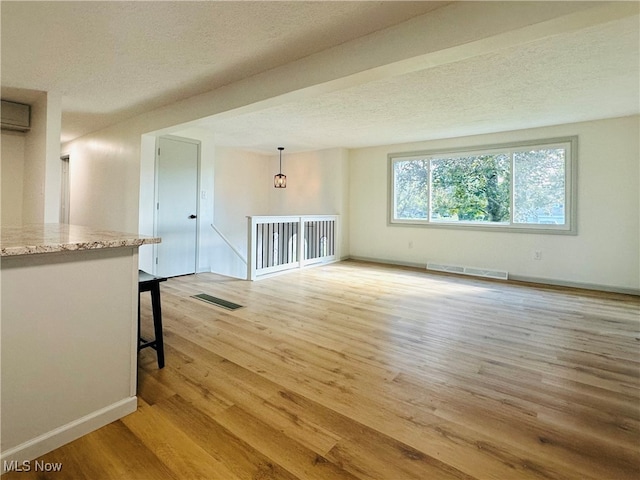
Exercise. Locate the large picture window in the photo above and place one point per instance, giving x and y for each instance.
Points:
(524, 186)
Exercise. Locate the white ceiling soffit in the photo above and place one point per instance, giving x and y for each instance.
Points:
(583, 75)
(113, 60)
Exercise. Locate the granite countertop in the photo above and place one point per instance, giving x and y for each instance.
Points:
(56, 237)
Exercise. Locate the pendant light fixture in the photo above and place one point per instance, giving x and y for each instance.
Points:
(280, 180)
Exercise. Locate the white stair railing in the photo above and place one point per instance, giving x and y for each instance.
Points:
(279, 243)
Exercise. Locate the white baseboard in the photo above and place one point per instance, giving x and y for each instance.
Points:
(584, 286)
(49, 441)
(519, 278)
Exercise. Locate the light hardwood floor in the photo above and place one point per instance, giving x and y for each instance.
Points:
(364, 371)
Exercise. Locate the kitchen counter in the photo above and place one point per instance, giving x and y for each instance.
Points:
(68, 312)
(50, 238)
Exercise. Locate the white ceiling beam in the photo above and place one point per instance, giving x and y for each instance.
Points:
(456, 32)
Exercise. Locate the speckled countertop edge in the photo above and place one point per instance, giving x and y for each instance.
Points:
(54, 237)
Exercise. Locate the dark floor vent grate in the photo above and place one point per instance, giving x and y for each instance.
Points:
(217, 301)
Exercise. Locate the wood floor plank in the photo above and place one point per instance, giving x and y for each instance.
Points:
(104, 454)
(293, 456)
(178, 452)
(541, 440)
(251, 392)
(363, 371)
(230, 450)
(364, 451)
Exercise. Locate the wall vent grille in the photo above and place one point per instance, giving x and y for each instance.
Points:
(474, 271)
(15, 116)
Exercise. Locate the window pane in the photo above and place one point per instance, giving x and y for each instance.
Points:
(471, 189)
(539, 194)
(411, 188)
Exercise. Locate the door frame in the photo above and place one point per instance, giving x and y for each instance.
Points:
(65, 188)
(156, 197)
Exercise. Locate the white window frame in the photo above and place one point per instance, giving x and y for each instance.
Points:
(570, 227)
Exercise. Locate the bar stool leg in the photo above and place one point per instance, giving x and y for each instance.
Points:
(157, 322)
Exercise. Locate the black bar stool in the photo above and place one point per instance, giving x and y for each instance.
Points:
(151, 283)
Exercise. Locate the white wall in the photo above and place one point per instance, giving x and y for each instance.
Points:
(605, 253)
(317, 184)
(205, 205)
(34, 164)
(146, 200)
(12, 168)
(242, 182)
(31, 168)
(53, 167)
(104, 173)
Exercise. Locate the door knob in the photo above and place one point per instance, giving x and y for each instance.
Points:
(193, 216)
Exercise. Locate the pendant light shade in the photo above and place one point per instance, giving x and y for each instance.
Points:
(280, 180)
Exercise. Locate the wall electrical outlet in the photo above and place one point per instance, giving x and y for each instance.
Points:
(203, 194)
(411, 244)
(537, 255)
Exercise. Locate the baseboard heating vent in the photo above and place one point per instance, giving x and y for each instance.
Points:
(474, 271)
(217, 301)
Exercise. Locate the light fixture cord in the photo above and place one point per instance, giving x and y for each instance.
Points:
(280, 149)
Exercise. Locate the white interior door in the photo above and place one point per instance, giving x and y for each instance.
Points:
(177, 207)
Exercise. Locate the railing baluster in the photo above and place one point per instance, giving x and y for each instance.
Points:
(265, 245)
(314, 239)
(270, 250)
(282, 238)
(259, 259)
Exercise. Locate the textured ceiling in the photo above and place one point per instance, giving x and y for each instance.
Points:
(585, 75)
(115, 60)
